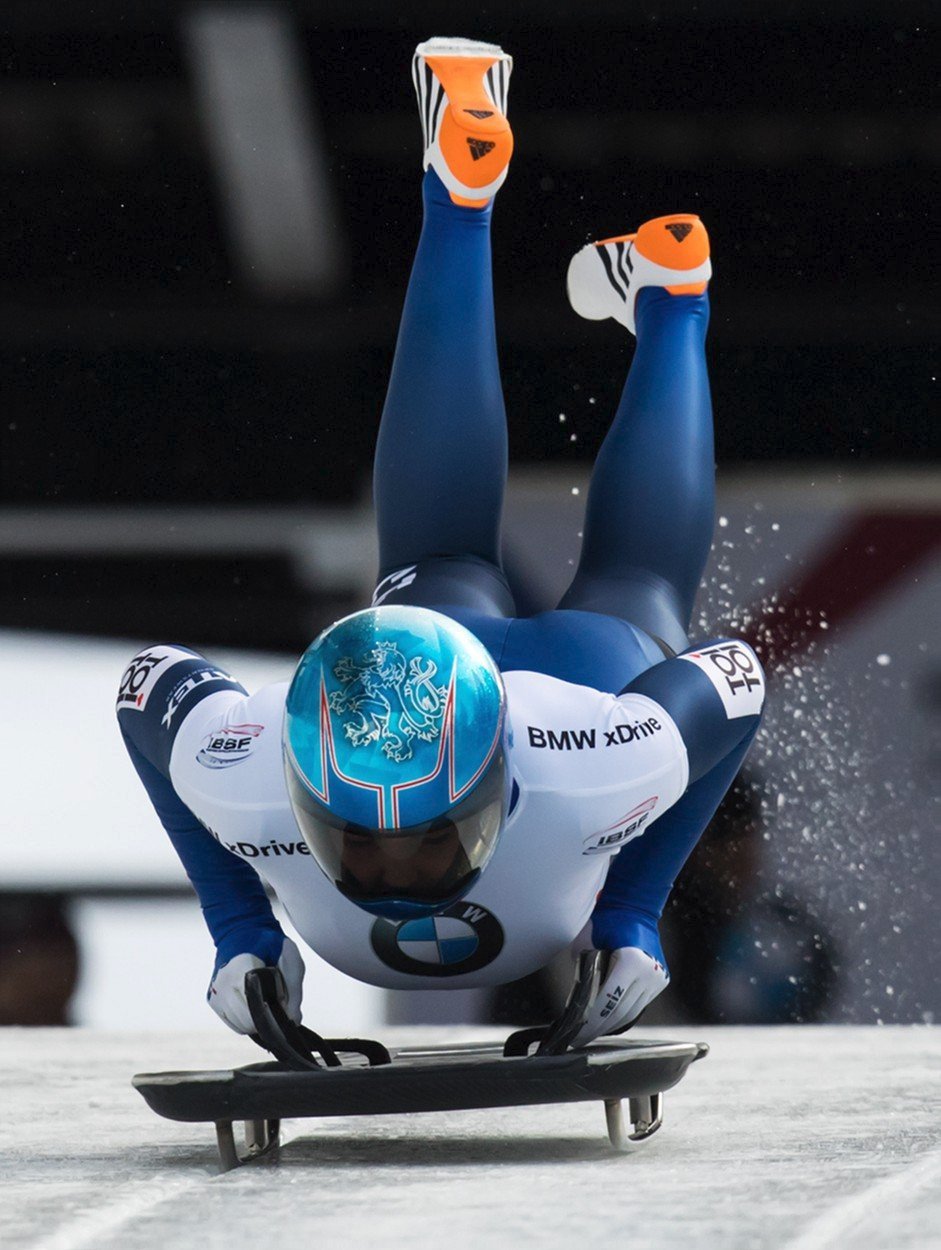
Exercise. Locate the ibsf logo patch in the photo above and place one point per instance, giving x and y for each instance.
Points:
(631, 825)
(229, 745)
(463, 938)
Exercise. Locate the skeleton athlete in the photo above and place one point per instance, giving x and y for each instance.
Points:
(448, 795)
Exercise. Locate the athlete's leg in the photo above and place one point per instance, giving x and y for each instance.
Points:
(648, 527)
(441, 458)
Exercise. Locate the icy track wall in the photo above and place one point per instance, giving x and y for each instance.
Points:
(837, 582)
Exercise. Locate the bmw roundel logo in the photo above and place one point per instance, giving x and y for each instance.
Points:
(463, 938)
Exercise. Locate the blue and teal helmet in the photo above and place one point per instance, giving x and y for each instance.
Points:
(394, 758)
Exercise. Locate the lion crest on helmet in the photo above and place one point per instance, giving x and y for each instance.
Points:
(393, 701)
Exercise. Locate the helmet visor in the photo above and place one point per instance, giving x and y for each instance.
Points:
(429, 863)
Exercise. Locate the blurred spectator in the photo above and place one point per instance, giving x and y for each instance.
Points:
(38, 960)
(738, 955)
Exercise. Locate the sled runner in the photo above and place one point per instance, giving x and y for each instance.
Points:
(315, 1076)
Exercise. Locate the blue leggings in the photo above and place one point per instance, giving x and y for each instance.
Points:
(441, 459)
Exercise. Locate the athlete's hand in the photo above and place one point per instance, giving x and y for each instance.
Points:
(637, 971)
(227, 988)
(633, 980)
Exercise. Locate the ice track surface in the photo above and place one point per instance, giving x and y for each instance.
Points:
(796, 1138)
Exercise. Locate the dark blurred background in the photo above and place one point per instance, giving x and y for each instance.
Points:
(210, 211)
(208, 222)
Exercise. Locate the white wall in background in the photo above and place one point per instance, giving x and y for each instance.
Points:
(73, 812)
(74, 816)
(145, 964)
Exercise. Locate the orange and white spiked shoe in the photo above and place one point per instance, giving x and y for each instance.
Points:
(462, 88)
(670, 252)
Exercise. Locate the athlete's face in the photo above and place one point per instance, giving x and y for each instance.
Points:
(410, 866)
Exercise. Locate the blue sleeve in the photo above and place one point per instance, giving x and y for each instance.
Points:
(717, 732)
(232, 897)
(642, 874)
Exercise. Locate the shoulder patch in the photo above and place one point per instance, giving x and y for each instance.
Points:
(197, 678)
(143, 673)
(736, 674)
(628, 827)
(222, 748)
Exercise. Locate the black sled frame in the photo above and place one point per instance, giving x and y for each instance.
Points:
(316, 1076)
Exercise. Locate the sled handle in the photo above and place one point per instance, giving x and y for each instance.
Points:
(276, 1031)
(294, 1045)
(556, 1038)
